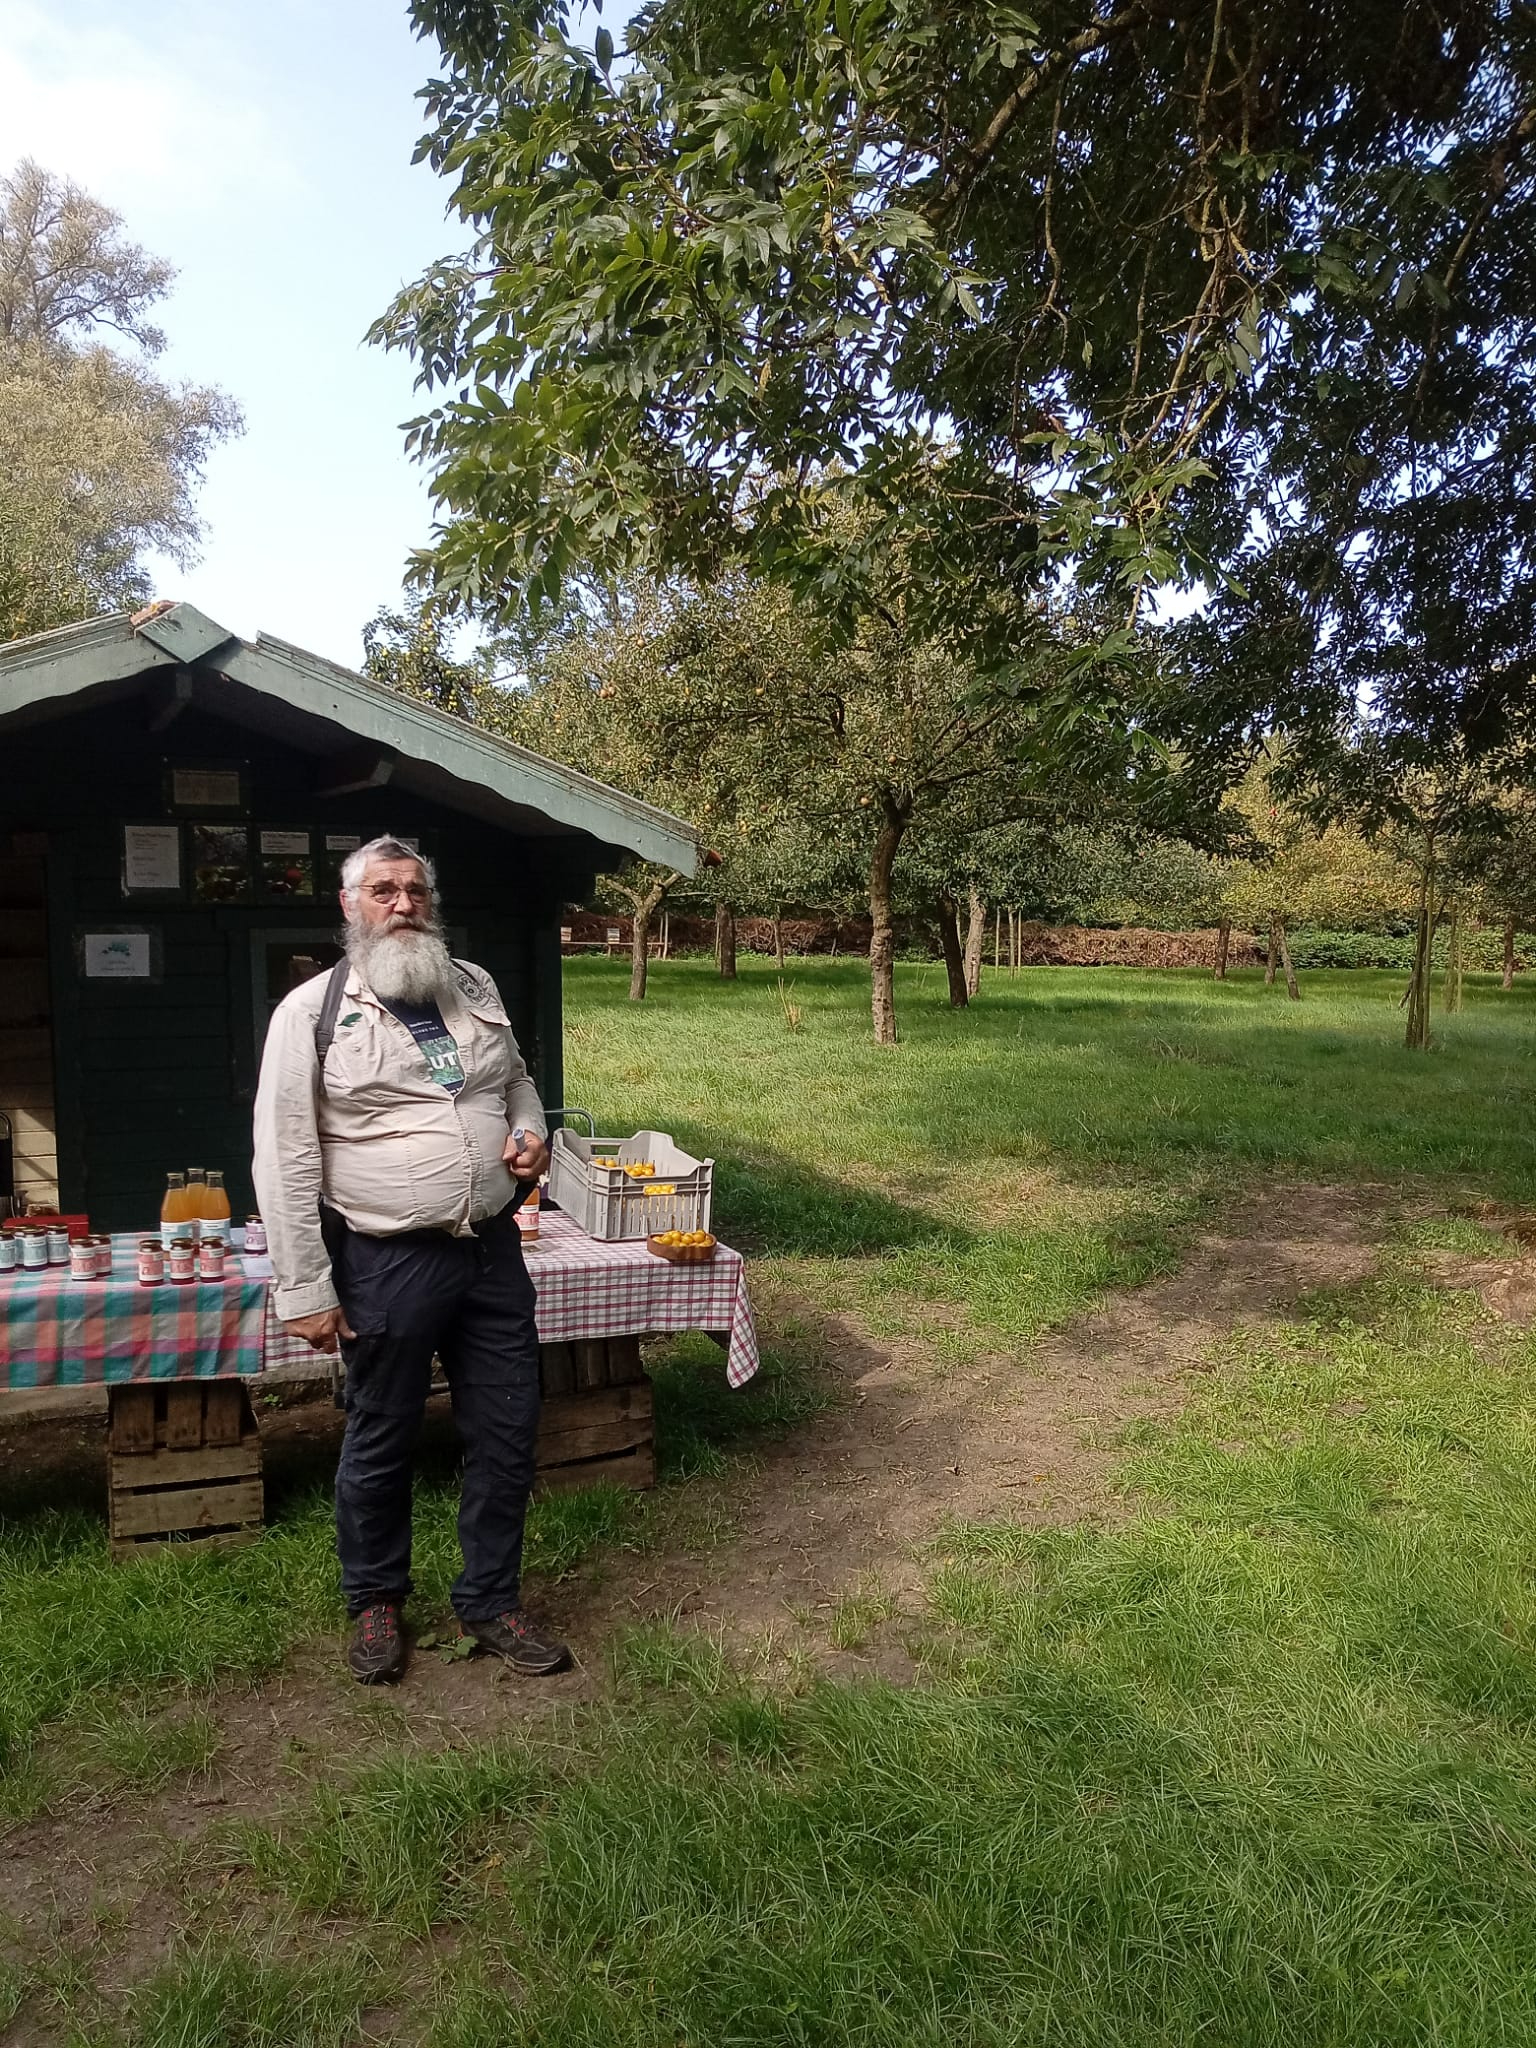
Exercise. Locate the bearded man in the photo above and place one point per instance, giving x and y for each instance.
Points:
(394, 1121)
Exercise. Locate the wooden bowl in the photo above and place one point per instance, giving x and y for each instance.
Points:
(681, 1254)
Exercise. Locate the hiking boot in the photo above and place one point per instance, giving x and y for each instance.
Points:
(513, 1638)
(376, 1653)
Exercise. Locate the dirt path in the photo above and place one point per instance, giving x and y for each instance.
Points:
(913, 1444)
(842, 1506)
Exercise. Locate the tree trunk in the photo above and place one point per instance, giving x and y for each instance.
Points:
(975, 941)
(1289, 971)
(997, 940)
(646, 907)
(1453, 962)
(778, 939)
(1274, 955)
(954, 957)
(882, 936)
(1417, 1037)
(1509, 952)
(725, 941)
(1223, 948)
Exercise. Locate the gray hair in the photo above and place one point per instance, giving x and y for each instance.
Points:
(386, 847)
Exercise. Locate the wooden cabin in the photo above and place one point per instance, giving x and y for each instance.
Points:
(175, 805)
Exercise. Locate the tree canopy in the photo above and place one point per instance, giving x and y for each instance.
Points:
(100, 457)
(1095, 255)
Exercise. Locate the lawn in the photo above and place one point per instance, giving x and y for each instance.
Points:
(1251, 1764)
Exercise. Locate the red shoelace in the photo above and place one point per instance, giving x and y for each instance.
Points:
(379, 1624)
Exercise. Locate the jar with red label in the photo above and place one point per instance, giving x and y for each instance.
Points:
(181, 1261)
(151, 1262)
(210, 1258)
(102, 1248)
(255, 1236)
(82, 1259)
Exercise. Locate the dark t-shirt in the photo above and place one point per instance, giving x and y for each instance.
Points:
(425, 1023)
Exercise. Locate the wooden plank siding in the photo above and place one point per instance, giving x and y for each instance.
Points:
(159, 1075)
(26, 1040)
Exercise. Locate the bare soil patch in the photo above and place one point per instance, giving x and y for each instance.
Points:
(1029, 1438)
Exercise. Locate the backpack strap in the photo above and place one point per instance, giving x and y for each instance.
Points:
(325, 1023)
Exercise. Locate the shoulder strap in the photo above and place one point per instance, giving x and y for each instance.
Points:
(325, 1023)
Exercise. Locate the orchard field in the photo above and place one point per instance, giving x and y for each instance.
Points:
(1108, 1619)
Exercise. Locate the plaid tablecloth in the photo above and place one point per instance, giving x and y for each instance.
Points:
(58, 1332)
(588, 1289)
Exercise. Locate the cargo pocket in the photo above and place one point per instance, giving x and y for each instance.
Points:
(358, 1360)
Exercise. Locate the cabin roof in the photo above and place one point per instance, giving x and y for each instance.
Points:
(369, 735)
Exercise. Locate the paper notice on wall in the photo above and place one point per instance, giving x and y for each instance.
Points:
(216, 789)
(342, 842)
(116, 956)
(151, 857)
(285, 842)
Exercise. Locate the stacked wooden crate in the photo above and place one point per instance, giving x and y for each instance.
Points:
(597, 1422)
(184, 1465)
(184, 1459)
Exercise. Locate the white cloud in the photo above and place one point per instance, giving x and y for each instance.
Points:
(155, 127)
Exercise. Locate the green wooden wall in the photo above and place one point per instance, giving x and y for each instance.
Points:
(154, 1076)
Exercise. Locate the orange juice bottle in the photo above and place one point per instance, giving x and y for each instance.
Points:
(197, 1195)
(216, 1206)
(173, 1208)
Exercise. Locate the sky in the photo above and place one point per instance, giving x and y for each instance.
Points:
(264, 148)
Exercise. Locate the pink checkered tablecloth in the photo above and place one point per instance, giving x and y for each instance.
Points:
(589, 1289)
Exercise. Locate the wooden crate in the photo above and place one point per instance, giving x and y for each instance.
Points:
(183, 1465)
(597, 1422)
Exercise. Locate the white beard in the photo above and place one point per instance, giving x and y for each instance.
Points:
(401, 966)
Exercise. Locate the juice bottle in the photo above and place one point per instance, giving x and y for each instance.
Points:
(197, 1195)
(216, 1206)
(173, 1208)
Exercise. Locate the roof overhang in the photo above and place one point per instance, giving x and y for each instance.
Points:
(362, 733)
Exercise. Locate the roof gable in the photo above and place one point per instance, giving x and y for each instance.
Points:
(322, 708)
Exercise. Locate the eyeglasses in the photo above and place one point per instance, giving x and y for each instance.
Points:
(386, 892)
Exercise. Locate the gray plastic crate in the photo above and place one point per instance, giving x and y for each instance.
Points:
(612, 1205)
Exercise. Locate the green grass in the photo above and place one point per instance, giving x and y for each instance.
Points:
(80, 1630)
(229, 1994)
(990, 1176)
(88, 1641)
(832, 1145)
(1255, 1768)
(1254, 1765)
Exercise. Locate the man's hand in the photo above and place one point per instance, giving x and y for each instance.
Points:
(525, 1154)
(322, 1329)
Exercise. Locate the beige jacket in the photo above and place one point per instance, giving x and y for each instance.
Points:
(386, 1145)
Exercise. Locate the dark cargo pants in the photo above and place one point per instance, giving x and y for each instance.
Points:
(470, 1301)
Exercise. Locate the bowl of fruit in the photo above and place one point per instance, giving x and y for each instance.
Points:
(682, 1247)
